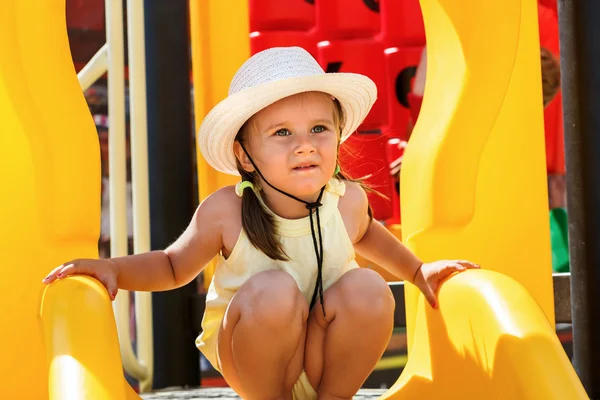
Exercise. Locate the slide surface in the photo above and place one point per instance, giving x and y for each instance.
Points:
(81, 342)
(474, 187)
(488, 340)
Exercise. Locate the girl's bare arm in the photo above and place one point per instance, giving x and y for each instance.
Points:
(183, 260)
(165, 269)
(373, 241)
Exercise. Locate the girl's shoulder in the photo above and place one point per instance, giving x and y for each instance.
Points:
(354, 199)
(225, 206)
(223, 200)
(353, 207)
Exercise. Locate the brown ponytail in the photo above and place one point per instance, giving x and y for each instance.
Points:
(259, 225)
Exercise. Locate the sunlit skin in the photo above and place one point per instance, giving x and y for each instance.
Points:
(293, 142)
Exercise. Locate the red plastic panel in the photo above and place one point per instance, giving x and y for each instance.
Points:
(359, 56)
(555, 145)
(551, 4)
(285, 15)
(260, 41)
(402, 23)
(553, 119)
(400, 67)
(85, 23)
(85, 14)
(365, 154)
(347, 19)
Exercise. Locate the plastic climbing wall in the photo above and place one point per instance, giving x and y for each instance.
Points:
(380, 39)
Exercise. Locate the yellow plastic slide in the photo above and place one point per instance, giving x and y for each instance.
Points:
(81, 342)
(489, 340)
(56, 342)
(474, 187)
(49, 184)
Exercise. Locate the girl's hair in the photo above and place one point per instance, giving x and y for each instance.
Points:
(260, 226)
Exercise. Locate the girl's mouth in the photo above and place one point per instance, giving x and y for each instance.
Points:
(305, 168)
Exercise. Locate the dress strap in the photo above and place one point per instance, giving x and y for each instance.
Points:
(336, 186)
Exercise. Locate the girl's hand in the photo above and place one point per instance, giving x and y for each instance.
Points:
(429, 276)
(105, 270)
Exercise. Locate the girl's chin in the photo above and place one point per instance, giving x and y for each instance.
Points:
(301, 185)
(307, 189)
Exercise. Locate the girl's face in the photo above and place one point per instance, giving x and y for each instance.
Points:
(294, 144)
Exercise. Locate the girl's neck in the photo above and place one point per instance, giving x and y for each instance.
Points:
(285, 206)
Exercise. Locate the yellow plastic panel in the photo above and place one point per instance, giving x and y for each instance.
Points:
(220, 45)
(81, 342)
(488, 340)
(473, 176)
(474, 187)
(50, 180)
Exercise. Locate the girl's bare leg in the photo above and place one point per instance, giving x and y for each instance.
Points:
(343, 347)
(261, 340)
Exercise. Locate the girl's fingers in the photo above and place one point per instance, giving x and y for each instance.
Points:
(468, 264)
(111, 286)
(70, 269)
(52, 275)
(429, 295)
(109, 282)
(451, 267)
(448, 269)
(438, 274)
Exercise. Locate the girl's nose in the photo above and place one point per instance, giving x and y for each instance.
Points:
(304, 145)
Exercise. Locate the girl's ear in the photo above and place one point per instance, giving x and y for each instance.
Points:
(242, 157)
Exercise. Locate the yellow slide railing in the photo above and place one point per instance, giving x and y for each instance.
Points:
(474, 187)
(81, 343)
(49, 182)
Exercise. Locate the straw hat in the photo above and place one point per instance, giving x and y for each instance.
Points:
(267, 77)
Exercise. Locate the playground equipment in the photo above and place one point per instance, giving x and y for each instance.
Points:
(492, 336)
(50, 188)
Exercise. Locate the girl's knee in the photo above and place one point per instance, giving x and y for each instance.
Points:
(272, 298)
(365, 294)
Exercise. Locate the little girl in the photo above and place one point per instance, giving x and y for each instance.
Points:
(289, 314)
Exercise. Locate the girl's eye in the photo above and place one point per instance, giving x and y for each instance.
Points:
(282, 132)
(319, 129)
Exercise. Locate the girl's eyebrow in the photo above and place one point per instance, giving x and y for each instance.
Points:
(275, 125)
(286, 123)
(323, 121)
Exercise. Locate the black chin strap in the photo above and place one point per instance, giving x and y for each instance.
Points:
(317, 244)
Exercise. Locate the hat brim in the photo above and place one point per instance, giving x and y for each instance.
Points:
(356, 94)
